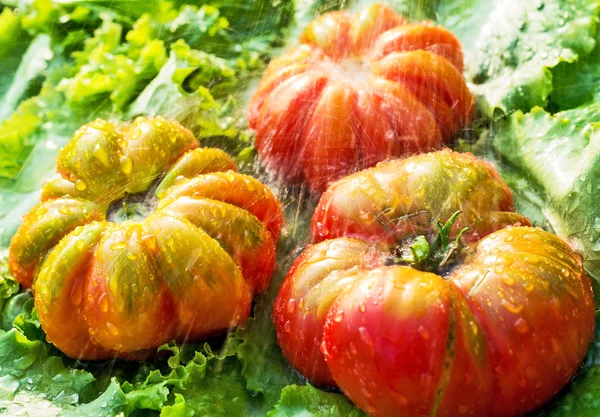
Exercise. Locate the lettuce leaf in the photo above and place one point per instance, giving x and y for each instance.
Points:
(561, 159)
(519, 45)
(307, 401)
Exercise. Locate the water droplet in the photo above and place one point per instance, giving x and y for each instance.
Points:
(132, 256)
(291, 306)
(80, 185)
(521, 326)
(103, 303)
(170, 241)
(126, 164)
(513, 308)
(528, 285)
(423, 332)
(352, 348)
(112, 329)
(136, 133)
(78, 163)
(287, 326)
(118, 245)
(367, 339)
(64, 210)
(101, 155)
(79, 244)
(362, 308)
(474, 327)
(338, 316)
(301, 304)
(508, 281)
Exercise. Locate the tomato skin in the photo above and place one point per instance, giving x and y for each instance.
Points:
(498, 337)
(403, 93)
(299, 314)
(408, 194)
(187, 271)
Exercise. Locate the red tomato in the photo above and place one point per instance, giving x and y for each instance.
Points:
(359, 89)
(499, 335)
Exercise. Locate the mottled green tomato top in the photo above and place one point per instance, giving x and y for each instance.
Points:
(189, 269)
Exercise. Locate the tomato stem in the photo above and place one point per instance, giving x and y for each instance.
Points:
(435, 254)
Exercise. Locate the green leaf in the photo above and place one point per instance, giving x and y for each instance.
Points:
(580, 399)
(307, 401)
(520, 44)
(562, 160)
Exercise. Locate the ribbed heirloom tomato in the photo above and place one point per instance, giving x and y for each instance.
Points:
(359, 89)
(497, 335)
(189, 269)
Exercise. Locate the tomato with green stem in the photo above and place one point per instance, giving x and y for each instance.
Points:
(480, 315)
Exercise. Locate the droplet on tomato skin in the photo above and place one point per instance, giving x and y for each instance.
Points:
(291, 306)
(367, 339)
(338, 316)
(301, 304)
(287, 326)
(521, 326)
(352, 348)
(126, 164)
(80, 185)
(103, 303)
(112, 329)
(118, 245)
(474, 327)
(322, 230)
(528, 286)
(510, 281)
(513, 308)
(423, 332)
(361, 307)
(426, 379)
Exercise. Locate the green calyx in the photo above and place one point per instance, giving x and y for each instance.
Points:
(436, 253)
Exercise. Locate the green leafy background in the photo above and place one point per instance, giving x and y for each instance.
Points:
(533, 65)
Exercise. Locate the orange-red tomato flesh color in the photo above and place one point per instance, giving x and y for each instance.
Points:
(359, 89)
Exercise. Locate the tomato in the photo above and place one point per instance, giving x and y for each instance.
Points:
(358, 90)
(189, 269)
(498, 335)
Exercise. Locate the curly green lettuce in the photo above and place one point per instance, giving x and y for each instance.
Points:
(522, 42)
(561, 159)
